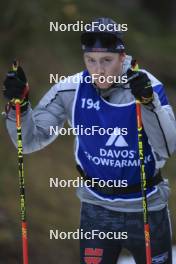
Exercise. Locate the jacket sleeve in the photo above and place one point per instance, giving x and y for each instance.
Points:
(159, 122)
(36, 124)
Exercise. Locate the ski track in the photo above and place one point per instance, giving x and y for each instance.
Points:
(129, 260)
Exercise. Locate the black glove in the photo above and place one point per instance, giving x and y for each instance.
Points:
(140, 86)
(15, 84)
(16, 87)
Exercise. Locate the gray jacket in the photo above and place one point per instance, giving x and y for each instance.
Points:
(56, 107)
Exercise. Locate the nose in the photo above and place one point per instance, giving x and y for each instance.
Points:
(100, 69)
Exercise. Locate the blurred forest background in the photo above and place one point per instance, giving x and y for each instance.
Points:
(24, 34)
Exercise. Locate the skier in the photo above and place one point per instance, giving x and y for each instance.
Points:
(107, 157)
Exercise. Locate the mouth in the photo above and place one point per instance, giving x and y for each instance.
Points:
(102, 79)
(102, 82)
(103, 85)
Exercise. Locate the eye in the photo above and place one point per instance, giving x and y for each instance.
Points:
(108, 60)
(91, 60)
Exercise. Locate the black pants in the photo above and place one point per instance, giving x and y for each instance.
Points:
(106, 251)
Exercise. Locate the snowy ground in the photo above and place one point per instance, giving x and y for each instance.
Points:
(129, 260)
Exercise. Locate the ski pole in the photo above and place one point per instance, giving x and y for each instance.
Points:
(143, 179)
(143, 184)
(21, 175)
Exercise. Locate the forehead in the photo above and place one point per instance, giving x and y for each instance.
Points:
(100, 55)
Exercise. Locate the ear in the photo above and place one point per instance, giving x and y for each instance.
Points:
(122, 56)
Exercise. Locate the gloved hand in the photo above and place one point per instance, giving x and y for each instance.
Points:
(16, 87)
(140, 86)
(15, 84)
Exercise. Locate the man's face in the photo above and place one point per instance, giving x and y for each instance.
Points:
(103, 64)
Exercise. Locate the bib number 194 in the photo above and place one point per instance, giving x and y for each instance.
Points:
(89, 104)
